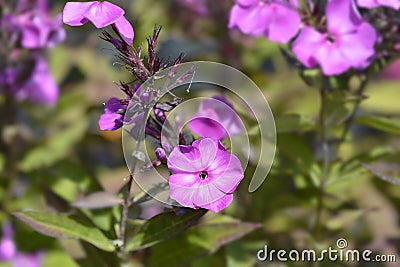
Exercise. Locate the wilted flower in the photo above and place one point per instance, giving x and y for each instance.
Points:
(278, 20)
(205, 175)
(375, 3)
(216, 118)
(101, 14)
(348, 41)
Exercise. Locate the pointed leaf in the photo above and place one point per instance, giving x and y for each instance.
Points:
(200, 240)
(385, 171)
(389, 125)
(62, 226)
(98, 200)
(163, 227)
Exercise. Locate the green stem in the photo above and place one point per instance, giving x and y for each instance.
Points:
(325, 160)
(127, 193)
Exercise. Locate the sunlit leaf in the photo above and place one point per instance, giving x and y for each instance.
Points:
(62, 226)
(163, 227)
(385, 171)
(390, 125)
(98, 200)
(200, 240)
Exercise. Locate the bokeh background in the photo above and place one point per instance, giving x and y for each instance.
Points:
(62, 150)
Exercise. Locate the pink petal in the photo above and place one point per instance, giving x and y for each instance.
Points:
(330, 59)
(74, 12)
(306, 44)
(206, 195)
(184, 180)
(228, 177)
(285, 23)
(125, 30)
(342, 16)
(390, 3)
(252, 20)
(184, 159)
(208, 150)
(183, 196)
(247, 3)
(358, 48)
(219, 204)
(207, 127)
(104, 13)
(368, 3)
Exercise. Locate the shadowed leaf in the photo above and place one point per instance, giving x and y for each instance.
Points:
(98, 200)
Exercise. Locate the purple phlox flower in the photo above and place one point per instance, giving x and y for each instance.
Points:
(39, 30)
(40, 87)
(395, 4)
(205, 175)
(114, 112)
(101, 14)
(348, 41)
(278, 20)
(27, 5)
(9, 252)
(198, 6)
(7, 245)
(216, 118)
(392, 71)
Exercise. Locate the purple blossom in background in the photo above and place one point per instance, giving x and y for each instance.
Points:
(205, 175)
(113, 116)
(9, 253)
(38, 30)
(198, 6)
(376, 3)
(39, 87)
(101, 14)
(7, 246)
(278, 20)
(216, 118)
(348, 42)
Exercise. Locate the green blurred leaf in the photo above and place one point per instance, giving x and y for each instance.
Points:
(389, 125)
(200, 240)
(54, 149)
(293, 123)
(163, 227)
(62, 226)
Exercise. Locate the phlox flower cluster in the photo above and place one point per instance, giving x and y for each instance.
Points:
(29, 30)
(336, 37)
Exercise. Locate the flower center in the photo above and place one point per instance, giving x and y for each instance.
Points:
(203, 175)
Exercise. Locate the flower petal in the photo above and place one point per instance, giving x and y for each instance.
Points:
(74, 12)
(184, 180)
(220, 204)
(306, 44)
(104, 13)
(342, 16)
(331, 60)
(358, 48)
(285, 23)
(253, 20)
(125, 29)
(183, 196)
(184, 159)
(110, 121)
(229, 176)
(208, 151)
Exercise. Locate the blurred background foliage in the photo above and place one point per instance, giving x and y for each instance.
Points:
(60, 153)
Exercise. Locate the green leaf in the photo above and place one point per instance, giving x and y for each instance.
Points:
(389, 125)
(55, 148)
(200, 240)
(163, 227)
(62, 226)
(293, 123)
